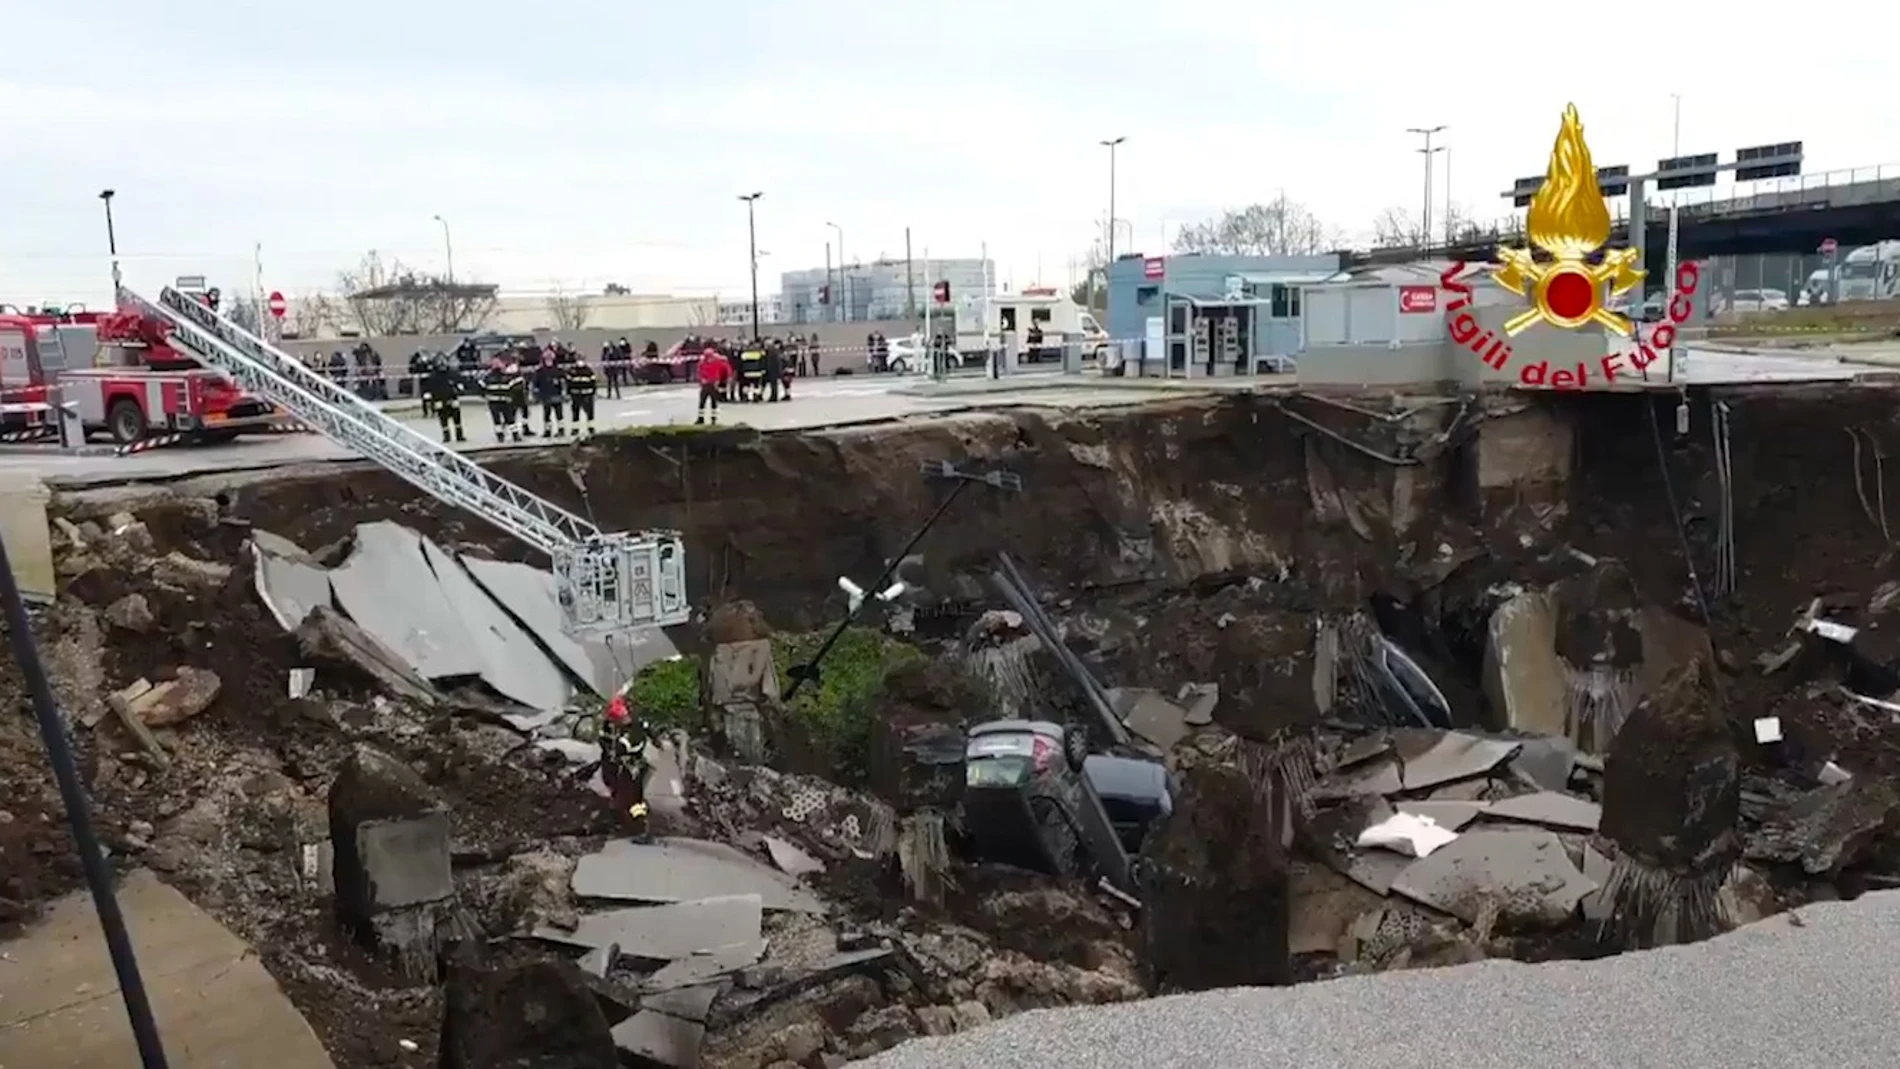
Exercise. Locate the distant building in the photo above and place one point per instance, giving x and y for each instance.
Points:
(739, 313)
(880, 290)
(526, 313)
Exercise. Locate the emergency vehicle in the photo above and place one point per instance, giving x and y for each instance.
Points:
(123, 378)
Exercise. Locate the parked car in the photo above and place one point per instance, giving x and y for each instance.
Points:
(1746, 301)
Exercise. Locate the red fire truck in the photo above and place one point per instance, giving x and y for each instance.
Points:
(122, 375)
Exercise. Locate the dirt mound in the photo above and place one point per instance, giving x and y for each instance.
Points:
(1215, 882)
(1672, 779)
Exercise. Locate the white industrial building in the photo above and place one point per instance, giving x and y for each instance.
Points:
(731, 313)
(878, 290)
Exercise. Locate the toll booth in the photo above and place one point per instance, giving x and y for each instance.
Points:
(1200, 316)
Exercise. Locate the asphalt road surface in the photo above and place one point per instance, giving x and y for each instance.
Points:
(820, 403)
(1771, 996)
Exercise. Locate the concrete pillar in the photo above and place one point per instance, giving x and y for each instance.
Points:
(394, 891)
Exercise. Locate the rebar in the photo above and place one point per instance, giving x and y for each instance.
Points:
(1654, 907)
(1597, 700)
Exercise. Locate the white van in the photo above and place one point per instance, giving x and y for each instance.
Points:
(980, 322)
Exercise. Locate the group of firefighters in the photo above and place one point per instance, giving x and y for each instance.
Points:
(562, 384)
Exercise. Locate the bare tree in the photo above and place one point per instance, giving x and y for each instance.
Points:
(703, 313)
(315, 316)
(1281, 228)
(244, 312)
(570, 311)
(1397, 228)
(387, 298)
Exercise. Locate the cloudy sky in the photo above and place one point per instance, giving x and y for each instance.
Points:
(574, 143)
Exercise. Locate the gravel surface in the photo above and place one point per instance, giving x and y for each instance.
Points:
(1770, 996)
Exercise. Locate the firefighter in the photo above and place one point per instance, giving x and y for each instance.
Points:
(518, 377)
(775, 371)
(715, 371)
(498, 387)
(752, 374)
(418, 370)
(583, 383)
(623, 763)
(440, 391)
(547, 390)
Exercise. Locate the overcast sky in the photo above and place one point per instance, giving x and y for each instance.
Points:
(573, 143)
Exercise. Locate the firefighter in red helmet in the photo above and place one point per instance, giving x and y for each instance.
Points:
(623, 764)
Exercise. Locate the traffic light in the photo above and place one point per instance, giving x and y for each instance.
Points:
(824, 294)
(940, 292)
(211, 298)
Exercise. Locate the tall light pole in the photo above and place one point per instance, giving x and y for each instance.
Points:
(752, 249)
(1425, 222)
(112, 241)
(448, 248)
(844, 273)
(1110, 144)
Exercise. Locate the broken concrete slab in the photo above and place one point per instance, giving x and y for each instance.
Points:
(662, 1038)
(790, 858)
(696, 969)
(1453, 756)
(1546, 761)
(391, 864)
(1158, 720)
(604, 663)
(682, 870)
(1200, 700)
(326, 634)
(1324, 906)
(1523, 678)
(28, 539)
(288, 581)
(686, 1003)
(214, 1002)
(1527, 874)
(1452, 816)
(667, 933)
(387, 587)
(512, 662)
(1551, 809)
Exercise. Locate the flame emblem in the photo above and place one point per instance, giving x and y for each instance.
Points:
(1569, 221)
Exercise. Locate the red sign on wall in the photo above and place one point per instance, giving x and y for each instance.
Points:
(1417, 300)
(1154, 267)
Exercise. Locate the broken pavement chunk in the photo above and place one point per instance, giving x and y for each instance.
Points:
(662, 1038)
(789, 857)
(667, 933)
(1455, 756)
(1157, 719)
(1528, 874)
(177, 700)
(328, 635)
(289, 581)
(387, 586)
(684, 870)
(1549, 808)
(394, 891)
(1546, 761)
(1452, 816)
(700, 968)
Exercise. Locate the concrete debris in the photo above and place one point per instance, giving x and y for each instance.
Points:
(703, 967)
(1452, 816)
(1523, 678)
(790, 858)
(328, 635)
(684, 870)
(512, 661)
(601, 663)
(182, 571)
(393, 886)
(387, 586)
(1829, 828)
(666, 933)
(535, 1014)
(1151, 716)
(289, 582)
(1527, 875)
(176, 700)
(131, 613)
(1546, 761)
(1420, 759)
(298, 681)
(1548, 808)
(1200, 700)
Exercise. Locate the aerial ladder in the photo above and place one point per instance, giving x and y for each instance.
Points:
(605, 581)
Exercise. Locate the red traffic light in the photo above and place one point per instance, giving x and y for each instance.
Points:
(941, 292)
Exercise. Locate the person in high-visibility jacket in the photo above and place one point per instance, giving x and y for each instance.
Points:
(623, 763)
(498, 388)
(752, 374)
(583, 384)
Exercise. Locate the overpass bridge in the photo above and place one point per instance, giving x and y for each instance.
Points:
(1856, 206)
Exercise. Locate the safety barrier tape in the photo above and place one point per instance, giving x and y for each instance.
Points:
(158, 441)
(31, 434)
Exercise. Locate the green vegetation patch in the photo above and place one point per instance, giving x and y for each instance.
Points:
(666, 693)
(838, 710)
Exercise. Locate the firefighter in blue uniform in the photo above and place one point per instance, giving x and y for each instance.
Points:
(498, 387)
(583, 385)
(442, 390)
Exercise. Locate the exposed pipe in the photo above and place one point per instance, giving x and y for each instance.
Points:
(1397, 462)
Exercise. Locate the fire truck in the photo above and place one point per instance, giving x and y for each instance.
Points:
(120, 372)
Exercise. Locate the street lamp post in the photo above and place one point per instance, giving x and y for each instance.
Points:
(112, 240)
(1110, 144)
(448, 248)
(844, 272)
(1425, 221)
(752, 250)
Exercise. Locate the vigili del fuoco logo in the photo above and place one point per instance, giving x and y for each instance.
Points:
(1567, 274)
